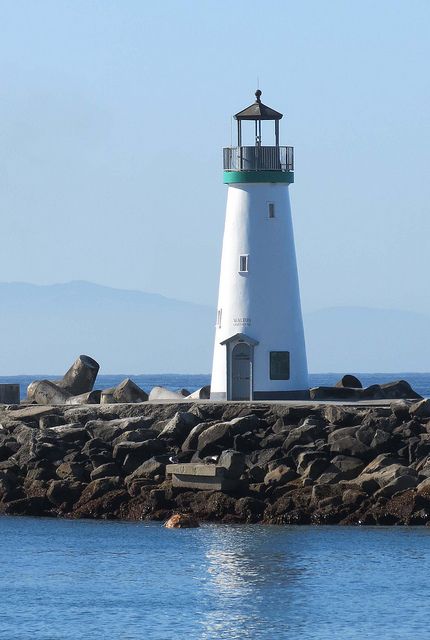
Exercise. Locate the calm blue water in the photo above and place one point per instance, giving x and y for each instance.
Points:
(79, 579)
(419, 381)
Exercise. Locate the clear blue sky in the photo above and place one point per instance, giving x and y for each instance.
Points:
(113, 115)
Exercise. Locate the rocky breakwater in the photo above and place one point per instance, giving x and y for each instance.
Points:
(294, 464)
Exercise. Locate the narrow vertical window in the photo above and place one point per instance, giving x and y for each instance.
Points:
(279, 365)
(243, 263)
(271, 209)
(219, 318)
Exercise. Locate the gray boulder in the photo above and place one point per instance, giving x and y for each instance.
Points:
(399, 390)
(370, 482)
(204, 393)
(132, 454)
(127, 391)
(349, 381)
(108, 430)
(72, 471)
(315, 469)
(222, 433)
(348, 466)
(98, 488)
(90, 397)
(106, 396)
(161, 393)
(350, 446)
(233, 462)
(108, 470)
(420, 409)
(307, 433)
(46, 392)
(81, 376)
(191, 441)
(148, 469)
(179, 427)
(401, 483)
(63, 493)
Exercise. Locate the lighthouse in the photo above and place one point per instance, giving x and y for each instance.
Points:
(259, 351)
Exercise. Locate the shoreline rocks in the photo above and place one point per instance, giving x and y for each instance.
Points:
(302, 463)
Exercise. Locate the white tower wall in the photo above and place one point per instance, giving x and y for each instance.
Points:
(260, 307)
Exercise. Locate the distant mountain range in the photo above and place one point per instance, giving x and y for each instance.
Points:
(43, 329)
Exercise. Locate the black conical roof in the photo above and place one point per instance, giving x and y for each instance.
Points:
(258, 111)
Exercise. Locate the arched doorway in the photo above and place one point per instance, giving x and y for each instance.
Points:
(241, 372)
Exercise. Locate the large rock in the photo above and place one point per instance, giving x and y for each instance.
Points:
(179, 427)
(108, 430)
(401, 483)
(335, 393)
(315, 469)
(307, 433)
(233, 462)
(90, 397)
(32, 413)
(204, 393)
(148, 469)
(98, 451)
(379, 479)
(348, 466)
(72, 471)
(46, 392)
(349, 381)
(63, 493)
(129, 391)
(97, 488)
(132, 454)
(81, 376)
(108, 470)
(161, 393)
(338, 434)
(70, 433)
(420, 409)
(106, 396)
(191, 441)
(222, 433)
(135, 435)
(399, 390)
(350, 446)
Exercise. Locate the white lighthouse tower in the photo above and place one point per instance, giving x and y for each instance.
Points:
(259, 351)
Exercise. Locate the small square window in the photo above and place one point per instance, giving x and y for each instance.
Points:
(271, 209)
(243, 263)
(279, 365)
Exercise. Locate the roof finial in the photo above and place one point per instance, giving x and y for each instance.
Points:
(257, 95)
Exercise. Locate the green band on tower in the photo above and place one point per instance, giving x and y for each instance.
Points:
(231, 177)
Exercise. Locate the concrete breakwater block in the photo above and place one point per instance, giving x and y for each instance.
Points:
(46, 392)
(76, 386)
(396, 390)
(9, 393)
(161, 393)
(81, 376)
(204, 393)
(209, 477)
